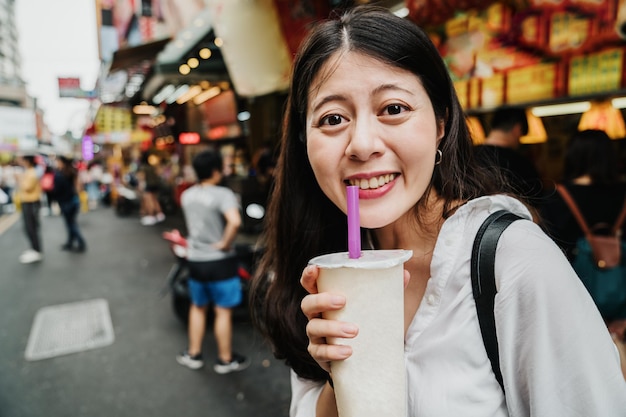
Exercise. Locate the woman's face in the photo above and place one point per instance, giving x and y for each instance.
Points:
(371, 124)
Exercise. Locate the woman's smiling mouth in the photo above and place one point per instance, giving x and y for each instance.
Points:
(372, 183)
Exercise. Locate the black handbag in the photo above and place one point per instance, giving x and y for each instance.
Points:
(484, 282)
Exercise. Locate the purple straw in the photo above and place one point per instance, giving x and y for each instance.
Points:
(354, 225)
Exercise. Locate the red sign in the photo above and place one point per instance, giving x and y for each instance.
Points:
(70, 87)
(189, 138)
(69, 83)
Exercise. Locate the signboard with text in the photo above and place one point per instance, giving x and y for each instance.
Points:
(70, 88)
(18, 129)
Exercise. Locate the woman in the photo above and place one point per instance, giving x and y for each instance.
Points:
(151, 210)
(371, 103)
(29, 192)
(591, 176)
(66, 195)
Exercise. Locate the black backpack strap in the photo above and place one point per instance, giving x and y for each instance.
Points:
(484, 282)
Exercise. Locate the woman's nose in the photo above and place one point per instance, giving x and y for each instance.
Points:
(365, 142)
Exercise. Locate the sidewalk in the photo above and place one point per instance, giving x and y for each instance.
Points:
(137, 374)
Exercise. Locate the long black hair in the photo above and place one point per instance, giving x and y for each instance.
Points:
(591, 152)
(302, 222)
(68, 169)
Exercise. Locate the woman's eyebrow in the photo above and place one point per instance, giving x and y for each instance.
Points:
(377, 90)
(385, 87)
(332, 97)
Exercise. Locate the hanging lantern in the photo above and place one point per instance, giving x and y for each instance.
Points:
(476, 130)
(536, 130)
(252, 44)
(603, 116)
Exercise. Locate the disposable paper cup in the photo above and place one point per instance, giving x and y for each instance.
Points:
(371, 382)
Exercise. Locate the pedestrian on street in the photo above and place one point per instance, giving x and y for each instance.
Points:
(212, 215)
(371, 104)
(150, 184)
(66, 195)
(501, 150)
(29, 192)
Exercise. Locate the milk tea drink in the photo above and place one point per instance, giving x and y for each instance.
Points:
(371, 382)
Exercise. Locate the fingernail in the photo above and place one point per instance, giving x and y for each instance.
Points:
(337, 300)
(345, 350)
(349, 329)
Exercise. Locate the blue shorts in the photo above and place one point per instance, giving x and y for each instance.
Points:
(224, 293)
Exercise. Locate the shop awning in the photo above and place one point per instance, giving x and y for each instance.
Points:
(186, 39)
(197, 35)
(128, 57)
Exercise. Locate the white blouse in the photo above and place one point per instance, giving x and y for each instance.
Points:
(556, 356)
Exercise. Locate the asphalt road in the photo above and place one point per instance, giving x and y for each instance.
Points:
(136, 375)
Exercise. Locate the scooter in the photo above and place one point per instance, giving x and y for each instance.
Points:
(176, 281)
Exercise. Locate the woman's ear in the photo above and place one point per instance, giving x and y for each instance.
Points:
(441, 130)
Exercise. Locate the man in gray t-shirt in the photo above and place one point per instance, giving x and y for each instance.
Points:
(213, 217)
(205, 207)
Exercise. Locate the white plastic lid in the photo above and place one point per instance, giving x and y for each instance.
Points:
(370, 259)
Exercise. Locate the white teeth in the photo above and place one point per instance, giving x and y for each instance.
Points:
(374, 182)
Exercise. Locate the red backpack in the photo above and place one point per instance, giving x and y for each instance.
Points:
(47, 181)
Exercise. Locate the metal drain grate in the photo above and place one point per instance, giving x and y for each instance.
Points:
(70, 328)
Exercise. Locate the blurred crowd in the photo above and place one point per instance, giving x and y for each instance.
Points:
(146, 183)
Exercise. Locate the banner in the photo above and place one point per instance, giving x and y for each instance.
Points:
(18, 129)
(70, 88)
(254, 49)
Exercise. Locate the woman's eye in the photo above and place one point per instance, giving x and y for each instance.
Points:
(331, 120)
(394, 109)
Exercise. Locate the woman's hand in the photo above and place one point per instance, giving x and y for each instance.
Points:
(318, 328)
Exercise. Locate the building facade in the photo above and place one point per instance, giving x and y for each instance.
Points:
(12, 88)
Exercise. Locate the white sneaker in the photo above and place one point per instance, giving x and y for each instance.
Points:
(27, 252)
(148, 220)
(237, 363)
(30, 256)
(191, 362)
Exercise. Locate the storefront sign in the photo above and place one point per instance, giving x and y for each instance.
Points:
(189, 138)
(87, 148)
(70, 88)
(18, 129)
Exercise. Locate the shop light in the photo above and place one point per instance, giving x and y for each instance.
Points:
(206, 95)
(536, 131)
(163, 94)
(134, 85)
(619, 103)
(184, 69)
(561, 109)
(243, 116)
(193, 62)
(401, 12)
(191, 93)
(177, 93)
(476, 130)
(144, 109)
(604, 116)
(205, 53)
